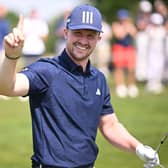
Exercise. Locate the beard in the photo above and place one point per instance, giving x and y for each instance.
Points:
(79, 53)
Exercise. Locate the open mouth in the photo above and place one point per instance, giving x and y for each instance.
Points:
(81, 47)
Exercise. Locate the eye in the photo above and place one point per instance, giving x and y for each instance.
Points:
(77, 34)
(91, 36)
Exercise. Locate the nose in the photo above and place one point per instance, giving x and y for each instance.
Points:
(83, 40)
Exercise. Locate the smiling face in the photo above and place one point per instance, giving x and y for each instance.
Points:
(80, 44)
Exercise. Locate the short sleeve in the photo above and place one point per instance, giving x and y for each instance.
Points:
(38, 78)
(107, 106)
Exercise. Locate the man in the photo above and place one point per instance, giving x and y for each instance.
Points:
(35, 34)
(124, 55)
(69, 98)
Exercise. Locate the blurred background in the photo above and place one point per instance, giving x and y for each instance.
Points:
(139, 88)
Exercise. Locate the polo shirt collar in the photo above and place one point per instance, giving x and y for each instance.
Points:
(68, 64)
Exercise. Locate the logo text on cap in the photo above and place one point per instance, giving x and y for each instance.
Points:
(87, 17)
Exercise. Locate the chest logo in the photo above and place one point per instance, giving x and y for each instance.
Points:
(98, 93)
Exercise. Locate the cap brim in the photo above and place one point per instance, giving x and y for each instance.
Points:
(78, 27)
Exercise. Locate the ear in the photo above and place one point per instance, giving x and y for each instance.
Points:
(65, 33)
(100, 37)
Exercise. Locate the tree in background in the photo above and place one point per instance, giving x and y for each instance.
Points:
(109, 8)
(13, 18)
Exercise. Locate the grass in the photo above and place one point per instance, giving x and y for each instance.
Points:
(15, 128)
(145, 117)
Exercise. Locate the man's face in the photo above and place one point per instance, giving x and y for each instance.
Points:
(81, 43)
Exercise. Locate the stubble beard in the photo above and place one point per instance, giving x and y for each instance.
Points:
(79, 56)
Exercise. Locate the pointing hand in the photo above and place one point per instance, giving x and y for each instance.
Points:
(14, 41)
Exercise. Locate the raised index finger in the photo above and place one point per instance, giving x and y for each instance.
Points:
(20, 23)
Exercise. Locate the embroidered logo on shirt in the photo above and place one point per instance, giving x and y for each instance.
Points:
(25, 69)
(98, 93)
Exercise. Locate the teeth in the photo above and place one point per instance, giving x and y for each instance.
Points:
(82, 48)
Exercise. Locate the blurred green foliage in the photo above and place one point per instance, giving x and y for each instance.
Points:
(13, 18)
(109, 8)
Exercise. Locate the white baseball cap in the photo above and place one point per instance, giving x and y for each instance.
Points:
(156, 18)
(145, 6)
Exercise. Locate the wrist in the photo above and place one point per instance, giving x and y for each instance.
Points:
(12, 58)
(139, 150)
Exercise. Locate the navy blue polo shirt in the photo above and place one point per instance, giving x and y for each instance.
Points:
(66, 105)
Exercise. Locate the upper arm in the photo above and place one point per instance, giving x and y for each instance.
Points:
(109, 125)
(21, 86)
(107, 121)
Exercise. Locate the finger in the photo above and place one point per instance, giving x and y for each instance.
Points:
(10, 40)
(20, 23)
(18, 36)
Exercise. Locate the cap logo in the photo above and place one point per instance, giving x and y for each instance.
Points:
(87, 17)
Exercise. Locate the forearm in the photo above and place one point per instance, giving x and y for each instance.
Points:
(7, 74)
(117, 134)
(121, 138)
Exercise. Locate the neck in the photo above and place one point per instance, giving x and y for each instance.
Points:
(82, 62)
